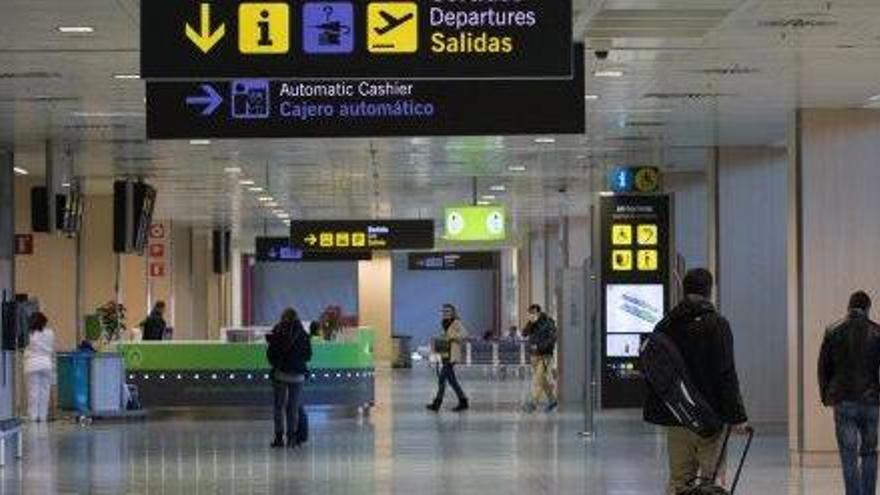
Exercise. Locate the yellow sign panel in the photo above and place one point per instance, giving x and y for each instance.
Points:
(392, 27)
(647, 235)
(648, 260)
(621, 260)
(342, 239)
(358, 239)
(263, 28)
(647, 180)
(621, 235)
(326, 239)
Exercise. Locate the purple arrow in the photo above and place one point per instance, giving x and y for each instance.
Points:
(211, 99)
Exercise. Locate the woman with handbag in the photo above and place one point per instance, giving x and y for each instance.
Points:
(449, 345)
(289, 351)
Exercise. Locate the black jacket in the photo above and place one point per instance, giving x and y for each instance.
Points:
(290, 348)
(849, 361)
(542, 335)
(706, 343)
(154, 327)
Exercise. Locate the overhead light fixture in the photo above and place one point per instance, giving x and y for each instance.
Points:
(65, 185)
(264, 199)
(20, 171)
(199, 142)
(874, 98)
(278, 212)
(247, 182)
(255, 189)
(591, 97)
(483, 203)
(498, 188)
(232, 170)
(126, 77)
(489, 197)
(271, 204)
(517, 168)
(545, 140)
(608, 73)
(76, 29)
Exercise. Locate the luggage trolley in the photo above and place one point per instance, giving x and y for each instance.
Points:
(92, 386)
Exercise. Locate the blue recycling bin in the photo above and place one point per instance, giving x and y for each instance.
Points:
(74, 370)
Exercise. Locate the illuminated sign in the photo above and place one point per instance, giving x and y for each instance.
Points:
(475, 223)
(279, 250)
(634, 179)
(346, 39)
(460, 260)
(361, 235)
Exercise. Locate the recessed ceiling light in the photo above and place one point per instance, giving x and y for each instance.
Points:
(20, 171)
(483, 203)
(498, 188)
(489, 197)
(278, 212)
(232, 170)
(608, 73)
(248, 183)
(271, 204)
(591, 97)
(545, 140)
(255, 189)
(517, 168)
(65, 185)
(126, 77)
(264, 199)
(874, 98)
(76, 29)
(199, 142)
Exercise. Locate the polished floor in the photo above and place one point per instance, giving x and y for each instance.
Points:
(398, 449)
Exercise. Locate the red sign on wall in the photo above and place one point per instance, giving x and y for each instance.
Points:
(24, 244)
(157, 250)
(157, 231)
(157, 269)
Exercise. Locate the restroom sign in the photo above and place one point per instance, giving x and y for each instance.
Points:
(421, 39)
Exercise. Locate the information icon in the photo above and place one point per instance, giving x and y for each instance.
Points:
(263, 28)
(328, 27)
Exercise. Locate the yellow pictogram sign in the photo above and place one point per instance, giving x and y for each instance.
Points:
(647, 260)
(392, 27)
(621, 235)
(647, 180)
(647, 235)
(621, 260)
(342, 239)
(326, 239)
(204, 38)
(358, 239)
(263, 28)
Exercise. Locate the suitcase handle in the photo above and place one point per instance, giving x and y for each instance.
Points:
(750, 435)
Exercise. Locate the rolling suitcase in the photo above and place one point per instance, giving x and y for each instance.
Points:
(302, 427)
(666, 373)
(709, 487)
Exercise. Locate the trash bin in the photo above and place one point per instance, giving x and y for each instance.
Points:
(401, 351)
(74, 377)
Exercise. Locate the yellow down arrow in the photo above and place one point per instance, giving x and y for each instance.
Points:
(204, 38)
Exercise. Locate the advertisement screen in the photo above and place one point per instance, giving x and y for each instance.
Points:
(633, 308)
(624, 345)
(475, 223)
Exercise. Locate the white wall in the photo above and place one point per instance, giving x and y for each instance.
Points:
(689, 215)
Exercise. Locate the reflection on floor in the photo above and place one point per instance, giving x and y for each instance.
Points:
(398, 449)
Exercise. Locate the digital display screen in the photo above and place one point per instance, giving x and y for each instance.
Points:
(623, 345)
(633, 308)
(475, 223)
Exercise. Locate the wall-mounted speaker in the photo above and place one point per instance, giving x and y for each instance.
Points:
(221, 250)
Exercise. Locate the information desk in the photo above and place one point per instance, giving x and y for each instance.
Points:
(210, 373)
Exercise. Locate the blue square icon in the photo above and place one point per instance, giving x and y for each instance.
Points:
(250, 99)
(328, 27)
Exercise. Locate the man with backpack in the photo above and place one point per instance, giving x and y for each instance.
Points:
(849, 382)
(704, 341)
(541, 334)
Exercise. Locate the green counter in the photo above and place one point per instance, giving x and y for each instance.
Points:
(210, 355)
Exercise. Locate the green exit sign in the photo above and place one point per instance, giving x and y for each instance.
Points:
(475, 223)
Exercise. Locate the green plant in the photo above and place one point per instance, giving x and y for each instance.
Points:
(112, 318)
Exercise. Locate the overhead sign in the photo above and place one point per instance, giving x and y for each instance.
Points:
(634, 179)
(344, 39)
(279, 250)
(475, 223)
(460, 260)
(360, 235)
(261, 108)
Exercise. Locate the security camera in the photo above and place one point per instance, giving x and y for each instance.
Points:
(602, 54)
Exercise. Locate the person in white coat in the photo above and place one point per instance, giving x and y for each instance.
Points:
(39, 367)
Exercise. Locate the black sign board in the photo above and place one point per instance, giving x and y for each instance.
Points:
(279, 250)
(360, 235)
(345, 39)
(259, 108)
(463, 260)
(636, 266)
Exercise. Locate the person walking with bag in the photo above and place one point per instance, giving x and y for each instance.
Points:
(449, 347)
(289, 351)
(541, 333)
(848, 382)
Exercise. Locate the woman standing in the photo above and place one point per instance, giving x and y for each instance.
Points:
(290, 348)
(449, 346)
(39, 366)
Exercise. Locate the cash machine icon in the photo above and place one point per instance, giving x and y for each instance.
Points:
(250, 99)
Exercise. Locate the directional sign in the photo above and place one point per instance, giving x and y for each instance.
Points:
(360, 235)
(346, 39)
(279, 250)
(458, 260)
(209, 100)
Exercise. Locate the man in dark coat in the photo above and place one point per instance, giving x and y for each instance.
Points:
(541, 335)
(705, 341)
(154, 326)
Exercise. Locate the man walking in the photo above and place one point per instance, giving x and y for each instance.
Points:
(705, 341)
(541, 333)
(849, 363)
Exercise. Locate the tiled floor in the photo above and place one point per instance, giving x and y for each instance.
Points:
(399, 449)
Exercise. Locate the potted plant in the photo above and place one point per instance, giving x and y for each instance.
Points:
(112, 319)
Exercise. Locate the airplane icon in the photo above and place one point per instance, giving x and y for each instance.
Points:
(392, 27)
(392, 22)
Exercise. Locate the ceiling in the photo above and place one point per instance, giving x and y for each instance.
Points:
(696, 74)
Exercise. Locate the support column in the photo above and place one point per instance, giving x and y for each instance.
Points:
(7, 222)
(375, 301)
